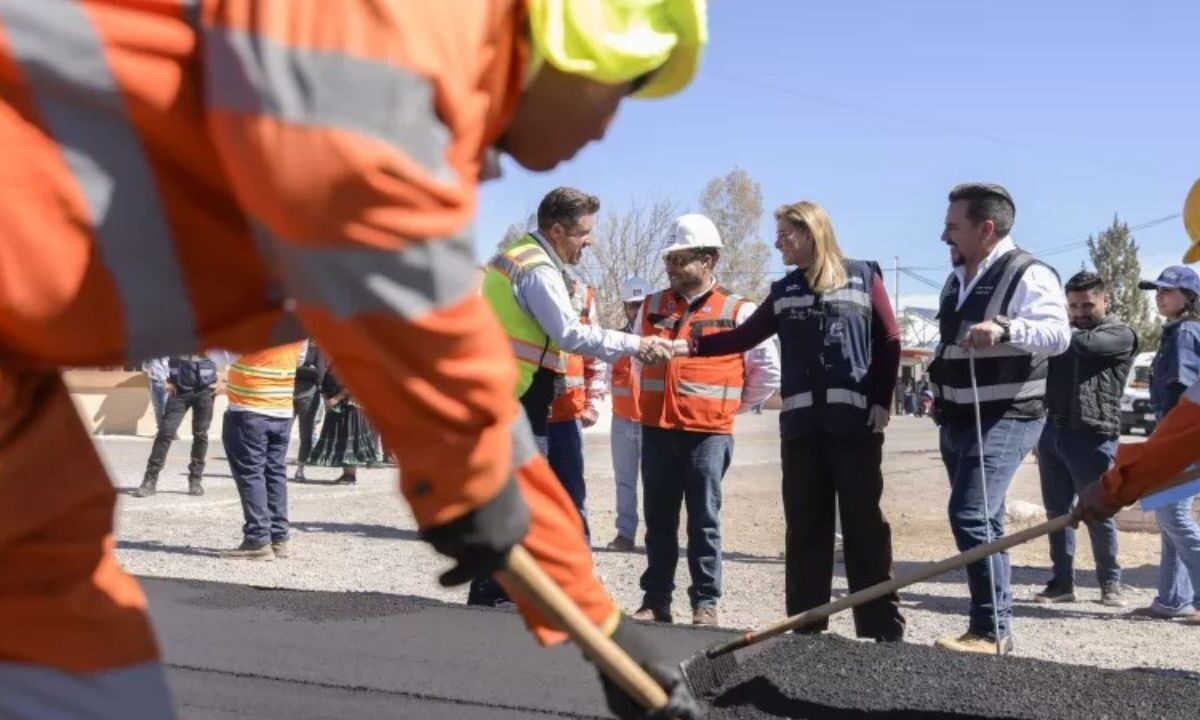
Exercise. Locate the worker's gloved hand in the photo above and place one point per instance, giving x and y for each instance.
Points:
(1094, 504)
(480, 540)
(635, 641)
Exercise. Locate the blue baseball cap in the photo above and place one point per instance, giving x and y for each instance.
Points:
(1180, 277)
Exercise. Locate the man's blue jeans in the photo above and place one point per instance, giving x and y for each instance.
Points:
(1005, 444)
(625, 440)
(1179, 565)
(565, 453)
(683, 468)
(1069, 459)
(256, 446)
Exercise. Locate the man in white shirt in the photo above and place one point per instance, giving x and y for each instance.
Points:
(1006, 314)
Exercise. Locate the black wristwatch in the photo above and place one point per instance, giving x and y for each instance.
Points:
(1006, 325)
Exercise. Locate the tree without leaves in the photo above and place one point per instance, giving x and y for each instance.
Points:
(515, 232)
(626, 243)
(1114, 254)
(734, 202)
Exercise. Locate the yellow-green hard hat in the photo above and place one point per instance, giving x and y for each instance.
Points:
(617, 41)
(1191, 221)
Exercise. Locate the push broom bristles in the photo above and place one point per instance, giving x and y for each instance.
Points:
(705, 674)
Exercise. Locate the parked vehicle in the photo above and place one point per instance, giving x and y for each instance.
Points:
(1136, 411)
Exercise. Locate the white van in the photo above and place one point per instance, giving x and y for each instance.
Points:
(1135, 401)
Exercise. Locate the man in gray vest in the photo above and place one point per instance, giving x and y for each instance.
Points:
(1008, 312)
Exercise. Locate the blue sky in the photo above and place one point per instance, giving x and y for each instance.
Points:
(875, 109)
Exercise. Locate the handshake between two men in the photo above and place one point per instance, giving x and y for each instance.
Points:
(656, 350)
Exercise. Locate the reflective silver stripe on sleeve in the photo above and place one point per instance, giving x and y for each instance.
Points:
(846, 397)
(411, 282)
(654, 385)
(989, 393)
(254, 75)
(706, 390)
(62, 59)
(621, 392)
(797, 401)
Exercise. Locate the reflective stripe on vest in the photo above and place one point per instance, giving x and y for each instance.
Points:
(264, 381)
(530, 343)
(62, 59)
(826, 342)
(692, 394)
(571, 403)
(1011, 381)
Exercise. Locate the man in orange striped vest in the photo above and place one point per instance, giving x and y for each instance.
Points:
(625, 434)
(255, 431)
(574, 408)
(688, 406)
(189, 174)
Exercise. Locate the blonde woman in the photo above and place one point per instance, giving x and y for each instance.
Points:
(841, 352)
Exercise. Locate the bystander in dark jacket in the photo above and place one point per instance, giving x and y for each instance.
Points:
(306, 400)
(1083, 422)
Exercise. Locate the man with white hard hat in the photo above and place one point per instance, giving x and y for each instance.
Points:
(626, 430)
(688, 407)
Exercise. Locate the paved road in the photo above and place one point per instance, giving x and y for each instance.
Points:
(235, 651)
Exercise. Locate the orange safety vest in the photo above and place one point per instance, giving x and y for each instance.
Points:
(693, 394)
(624, 389)
(264, 381)
(572, 401)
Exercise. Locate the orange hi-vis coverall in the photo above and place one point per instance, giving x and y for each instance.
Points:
(1144, 468)
(172, 171)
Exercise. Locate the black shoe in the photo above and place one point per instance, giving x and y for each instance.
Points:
(194, 487)
(1055, 593)
(621, 544)
(346, 479)
(148, 487)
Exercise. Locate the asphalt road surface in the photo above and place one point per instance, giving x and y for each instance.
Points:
(236, 651)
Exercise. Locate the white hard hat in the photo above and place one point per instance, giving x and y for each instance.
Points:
(691, 232)
(634, 289)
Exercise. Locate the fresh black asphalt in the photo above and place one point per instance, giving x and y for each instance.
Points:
(242, 652)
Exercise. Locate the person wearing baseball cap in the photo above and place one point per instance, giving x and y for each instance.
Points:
(626, 429)
(1162, 462)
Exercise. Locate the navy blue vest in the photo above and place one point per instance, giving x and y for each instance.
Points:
(1011, 381)
(193, 373)
(825, 341)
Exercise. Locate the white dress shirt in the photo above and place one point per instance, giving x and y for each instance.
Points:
(543, 294)
(1038, 310)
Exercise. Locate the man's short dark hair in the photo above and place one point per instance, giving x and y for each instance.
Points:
(986, 201)
(1086, 281)
(565, 205)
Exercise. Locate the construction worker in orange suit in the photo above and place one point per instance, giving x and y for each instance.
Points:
(1159, 463)
(185, 174)
(573, 409)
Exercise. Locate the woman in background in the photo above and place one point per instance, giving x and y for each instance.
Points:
(347, 438)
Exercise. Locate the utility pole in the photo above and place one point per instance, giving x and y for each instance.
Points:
(897, 282)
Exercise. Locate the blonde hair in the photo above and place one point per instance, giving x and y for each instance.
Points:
(828, 269)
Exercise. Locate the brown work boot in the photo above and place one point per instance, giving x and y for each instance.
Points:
(251, 551)
(647, 613)
(148, 487)
(706, 616)
(970, 642)
(281, 549)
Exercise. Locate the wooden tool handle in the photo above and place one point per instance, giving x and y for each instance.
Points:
(523, 571)
(887, 587)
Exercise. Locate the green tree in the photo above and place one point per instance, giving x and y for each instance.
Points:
(734, 202)
(1114, 253)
